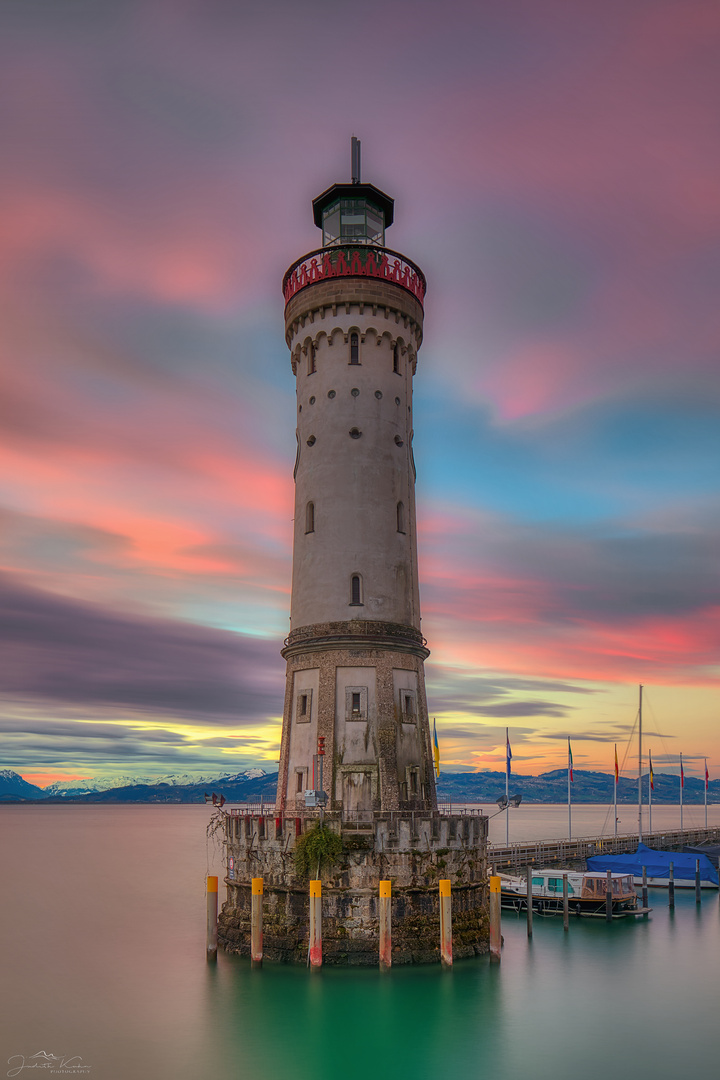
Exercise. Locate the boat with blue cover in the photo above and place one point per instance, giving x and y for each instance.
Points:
(657, 867)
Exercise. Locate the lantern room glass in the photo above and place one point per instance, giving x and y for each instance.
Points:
(353, 221)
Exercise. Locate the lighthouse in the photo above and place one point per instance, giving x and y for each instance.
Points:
(356, 784)
(355, 682)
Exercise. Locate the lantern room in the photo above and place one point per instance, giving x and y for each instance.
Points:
(353, 213)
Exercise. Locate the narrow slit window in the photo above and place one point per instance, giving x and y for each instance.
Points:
(303, 705)
(396, 359)
(310, 517)
(413, 782)
(356, 702)
(299, 781)
(409, 705)
(354, 349)
(355, 590)
(311, 359)
(400, 518)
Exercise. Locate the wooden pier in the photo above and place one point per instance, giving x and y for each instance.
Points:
(546, 852)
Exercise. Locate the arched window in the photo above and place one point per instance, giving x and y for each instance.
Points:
(356, 591)
(400, 518)
(310, 517)
(396, 359)
(354, 349)
(311, 359)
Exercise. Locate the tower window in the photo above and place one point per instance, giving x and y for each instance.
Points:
(354, 349)
(396, 359)
(311, 359)
(299, 781)
(303, 707)
(408, 707)
(310, 517)
(400, 518)
(356, 591)
(356, 703)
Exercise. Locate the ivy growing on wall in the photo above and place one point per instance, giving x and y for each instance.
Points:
(315, 850)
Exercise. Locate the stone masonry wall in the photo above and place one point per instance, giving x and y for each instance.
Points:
(414, 852)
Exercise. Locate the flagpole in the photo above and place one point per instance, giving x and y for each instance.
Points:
(569, 799)
(507, 787)
(682, 785)
(650, 787)
(640, 836)
(615, 789)
(706, 787)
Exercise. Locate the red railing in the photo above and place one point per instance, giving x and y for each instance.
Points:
(348, 261)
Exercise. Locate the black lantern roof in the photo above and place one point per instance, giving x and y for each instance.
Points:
(353, 191)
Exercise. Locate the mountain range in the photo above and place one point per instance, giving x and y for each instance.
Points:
(254, 784)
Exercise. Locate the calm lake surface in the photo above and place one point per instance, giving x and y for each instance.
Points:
(102, 953)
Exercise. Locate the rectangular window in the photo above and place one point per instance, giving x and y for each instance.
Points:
(356, 703)
(303, 706)
(299, 781)
(408, 706)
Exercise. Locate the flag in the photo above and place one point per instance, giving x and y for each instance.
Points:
(570, 761)
(707, 776)
(436, 749)
(652, 774)
(508, 752)
(682, 774)
(617, 771)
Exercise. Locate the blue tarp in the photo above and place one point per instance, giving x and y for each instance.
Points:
(657, 864)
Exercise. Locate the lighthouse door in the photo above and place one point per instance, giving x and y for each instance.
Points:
(357, 796)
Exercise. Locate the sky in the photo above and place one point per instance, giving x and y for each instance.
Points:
(556, 169)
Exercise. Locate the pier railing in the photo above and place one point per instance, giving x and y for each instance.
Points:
(543, 852)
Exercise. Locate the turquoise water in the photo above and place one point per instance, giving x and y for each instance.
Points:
(102, 950)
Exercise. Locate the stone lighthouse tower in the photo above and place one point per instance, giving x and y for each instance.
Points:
(355, 680)
(355, 685)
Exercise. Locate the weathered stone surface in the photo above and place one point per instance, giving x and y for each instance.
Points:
(413, 851)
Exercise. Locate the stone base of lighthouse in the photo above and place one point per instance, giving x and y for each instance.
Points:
(414, 850)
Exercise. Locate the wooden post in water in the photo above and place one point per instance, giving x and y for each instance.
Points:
(495, 909)
(566, 904)
(529, 901)
(315, 947)
(608, 897)
(256, 922)
(212, 915)
(644, 888)
(385, 925)
(446, 956)
(671, 885)
(697, 882)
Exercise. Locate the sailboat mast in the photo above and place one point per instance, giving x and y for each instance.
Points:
(640, 836)
(615, 783)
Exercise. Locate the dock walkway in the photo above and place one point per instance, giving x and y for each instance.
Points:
(546, 852)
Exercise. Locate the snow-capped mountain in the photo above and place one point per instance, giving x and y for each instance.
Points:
(75, 788)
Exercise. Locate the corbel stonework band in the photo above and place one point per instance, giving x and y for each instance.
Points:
(359, 633)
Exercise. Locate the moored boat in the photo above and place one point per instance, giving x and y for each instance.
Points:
(657, 867)
(586, 893)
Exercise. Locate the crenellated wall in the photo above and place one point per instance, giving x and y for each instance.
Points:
(412, 850)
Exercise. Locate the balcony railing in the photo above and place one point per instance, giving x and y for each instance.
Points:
(359, 261)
